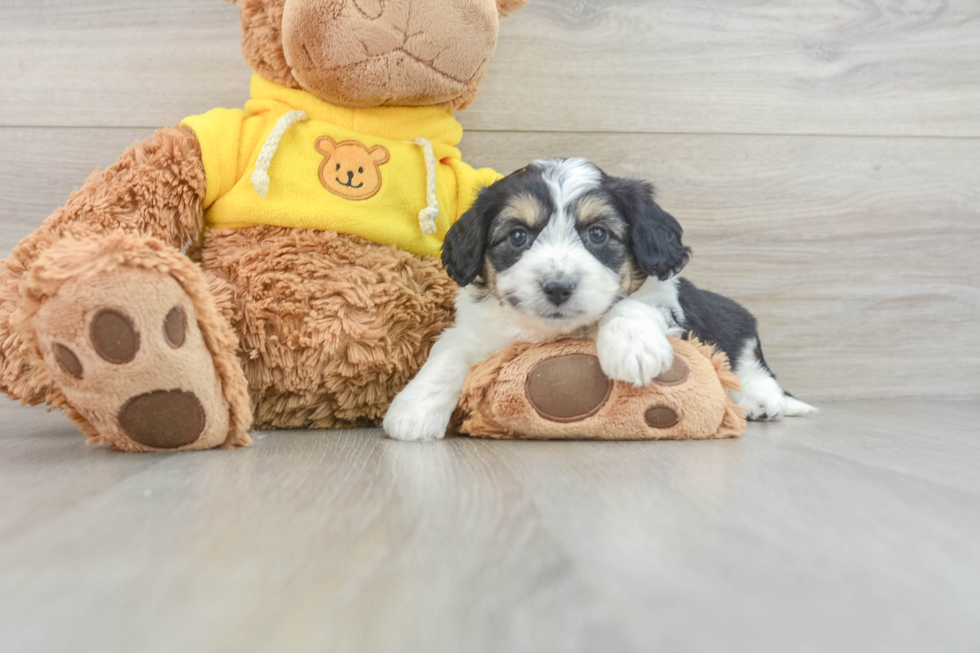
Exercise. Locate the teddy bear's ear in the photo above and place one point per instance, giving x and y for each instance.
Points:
(262, 46)
(507, 6)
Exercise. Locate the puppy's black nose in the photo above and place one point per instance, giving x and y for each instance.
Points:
(559, 292)
(350, 176)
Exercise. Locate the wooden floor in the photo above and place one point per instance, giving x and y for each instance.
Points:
(856, 530)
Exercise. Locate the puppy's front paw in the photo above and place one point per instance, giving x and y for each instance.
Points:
(633, 348)
(418, 415)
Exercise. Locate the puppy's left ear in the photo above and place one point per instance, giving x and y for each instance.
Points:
(465, 246)
(654, 234)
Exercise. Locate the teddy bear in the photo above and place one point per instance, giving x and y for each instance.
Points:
(275, 265)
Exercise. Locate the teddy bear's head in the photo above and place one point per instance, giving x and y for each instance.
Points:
(371, 53)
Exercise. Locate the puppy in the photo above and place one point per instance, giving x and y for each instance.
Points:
(559, 248)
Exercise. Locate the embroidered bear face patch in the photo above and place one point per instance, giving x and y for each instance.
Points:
(349, 169)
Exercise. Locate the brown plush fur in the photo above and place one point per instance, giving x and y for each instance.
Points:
(82, 268)
(495, 404)
(332, 326)
(156, 188)
(261, 22)
(386, 60)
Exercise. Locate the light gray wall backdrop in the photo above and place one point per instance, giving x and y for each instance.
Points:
(824, 156)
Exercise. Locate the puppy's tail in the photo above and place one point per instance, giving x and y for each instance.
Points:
(793, 407)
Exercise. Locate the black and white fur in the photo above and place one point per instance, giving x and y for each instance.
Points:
(560, 247)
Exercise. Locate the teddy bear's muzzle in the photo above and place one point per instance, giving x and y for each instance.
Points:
(363, 53)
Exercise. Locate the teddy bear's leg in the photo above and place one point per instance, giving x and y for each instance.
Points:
(558, 390)
(156, 188)
(128, 334)
(331, 326)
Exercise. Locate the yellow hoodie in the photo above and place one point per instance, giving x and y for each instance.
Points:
(391, 174)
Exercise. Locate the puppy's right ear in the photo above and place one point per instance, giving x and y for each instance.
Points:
(465, 246)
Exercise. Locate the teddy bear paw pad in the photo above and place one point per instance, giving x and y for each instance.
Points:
(163, 419)
(114, 337)
(568, 388)
(128, 353)
(661, 417)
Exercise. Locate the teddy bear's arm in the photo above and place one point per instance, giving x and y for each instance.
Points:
(156, 188)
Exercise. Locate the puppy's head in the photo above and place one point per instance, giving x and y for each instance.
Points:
(561, 241)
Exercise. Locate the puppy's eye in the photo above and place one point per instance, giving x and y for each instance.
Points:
(360, 169)
(597, 235)
(518, 238)
(338, 166)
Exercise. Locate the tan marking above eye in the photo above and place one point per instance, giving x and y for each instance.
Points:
(592, 208)
(526, 208)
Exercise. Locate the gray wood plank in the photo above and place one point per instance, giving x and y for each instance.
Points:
(47, 468)
(933, 448)
(793, 67)
(858, 255)
(800, 67)
(118, 62)
(43, 167)
(781, 534)
(346, 541)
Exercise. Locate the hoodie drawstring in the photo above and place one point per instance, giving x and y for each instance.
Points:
(261, 181)
(428, 215)
(260, 178)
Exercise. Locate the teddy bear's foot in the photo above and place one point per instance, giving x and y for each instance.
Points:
(558, 390)
(132, 338)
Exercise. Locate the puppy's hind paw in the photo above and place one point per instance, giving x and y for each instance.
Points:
(762, 407)
(769, 403)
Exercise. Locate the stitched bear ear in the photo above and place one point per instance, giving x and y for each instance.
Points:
(379, 154)
(507, 6)
(324, 145)
(262, 47)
